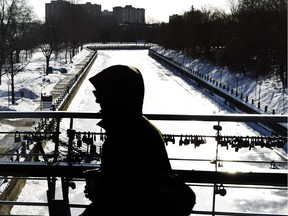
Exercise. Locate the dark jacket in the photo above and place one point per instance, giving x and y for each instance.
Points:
(136, 145)
(133, 157)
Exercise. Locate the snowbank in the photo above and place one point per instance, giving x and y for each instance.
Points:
(268, 91)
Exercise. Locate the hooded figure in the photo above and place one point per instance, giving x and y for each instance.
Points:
(133, 153)
(119, 90)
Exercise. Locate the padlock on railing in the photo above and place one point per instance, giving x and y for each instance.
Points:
(219, 189)
(17, 137)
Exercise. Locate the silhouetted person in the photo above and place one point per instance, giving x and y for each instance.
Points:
(133, 154)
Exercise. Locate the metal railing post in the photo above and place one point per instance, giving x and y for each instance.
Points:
(56, 150)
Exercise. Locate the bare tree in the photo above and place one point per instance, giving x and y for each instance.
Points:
(5, 20)
(233, 5)
(17, 33)
(50, 41)
(16, 20)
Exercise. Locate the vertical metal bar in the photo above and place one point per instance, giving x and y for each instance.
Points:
(71, 123)
(214, 200)
(52, 180)
(216, 169)
(56, 150)
(65, 193)
(71, 134)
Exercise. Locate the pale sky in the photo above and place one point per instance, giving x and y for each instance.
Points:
(154, 10)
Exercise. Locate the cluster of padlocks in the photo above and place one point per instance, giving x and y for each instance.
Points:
(89, 138)
(197, 140)
(238, 142)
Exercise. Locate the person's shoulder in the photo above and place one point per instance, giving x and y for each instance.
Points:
(148, 122)
(149, 126)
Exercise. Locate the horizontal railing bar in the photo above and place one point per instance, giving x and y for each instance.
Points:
(218, 117)
(71, 205)
(228, 161)
(171, 159)
(193, 213)
(23, 203)
(44, 169)
(26, 178)
(93, 115)
(29, 132)
(254, 187)
(239, 178)
(233, 213)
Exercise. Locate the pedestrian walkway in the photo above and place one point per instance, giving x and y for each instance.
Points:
(63, 86)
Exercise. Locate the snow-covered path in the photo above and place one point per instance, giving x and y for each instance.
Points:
(168, 93)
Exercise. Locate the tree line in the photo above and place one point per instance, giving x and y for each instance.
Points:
(252, 37)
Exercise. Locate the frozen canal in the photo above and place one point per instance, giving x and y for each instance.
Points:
(168, 93)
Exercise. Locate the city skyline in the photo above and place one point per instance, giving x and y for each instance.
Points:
(155, 11)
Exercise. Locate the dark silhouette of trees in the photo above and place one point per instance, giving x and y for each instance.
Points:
(49, 41)
(197, 33)
(259, 37)
(70, 30)
(76, 28)
(253, 37)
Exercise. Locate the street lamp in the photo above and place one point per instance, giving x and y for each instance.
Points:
(220, 81)
(260, 83)
(237, 75)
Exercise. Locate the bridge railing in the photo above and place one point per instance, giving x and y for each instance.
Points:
(120, 46)
(28, 158)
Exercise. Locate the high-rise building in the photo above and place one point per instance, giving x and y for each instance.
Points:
(90, 9)
(120, 15)
(129, 14)
(56, 9)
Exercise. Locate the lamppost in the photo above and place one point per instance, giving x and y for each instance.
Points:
(220, 81)
(209, 71)
(237, 75)
(260, 83)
